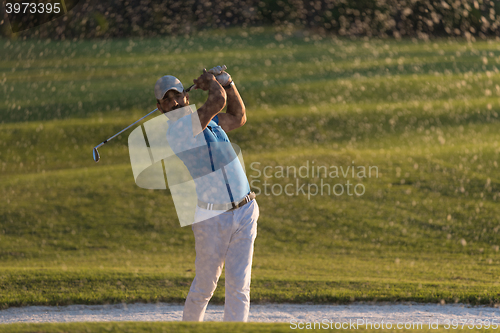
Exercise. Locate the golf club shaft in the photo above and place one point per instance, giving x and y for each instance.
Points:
(123, 130)
(96, 153)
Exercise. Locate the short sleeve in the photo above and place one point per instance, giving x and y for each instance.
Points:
(216, 119)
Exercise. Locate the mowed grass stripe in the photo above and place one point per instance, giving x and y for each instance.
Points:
(252, 43)
(133, 65)
(486, 139)
(286, 65)
(488, 106)
(86, 285)
(139, 327)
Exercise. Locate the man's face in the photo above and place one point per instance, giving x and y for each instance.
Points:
(173, 100)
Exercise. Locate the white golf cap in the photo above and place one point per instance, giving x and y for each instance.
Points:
(166, 83)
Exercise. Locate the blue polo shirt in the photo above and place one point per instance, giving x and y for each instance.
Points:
(210, 159)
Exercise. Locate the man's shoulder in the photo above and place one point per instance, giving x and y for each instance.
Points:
(180, 134)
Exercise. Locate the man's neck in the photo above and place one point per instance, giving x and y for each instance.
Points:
(176, 114)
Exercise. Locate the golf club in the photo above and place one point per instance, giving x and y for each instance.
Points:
(95, 153)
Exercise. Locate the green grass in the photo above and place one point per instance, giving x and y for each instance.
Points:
(211, 327)
(426, 114)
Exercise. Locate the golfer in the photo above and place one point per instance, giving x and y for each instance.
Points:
(226, 214)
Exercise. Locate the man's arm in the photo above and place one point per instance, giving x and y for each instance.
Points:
(216, 98)
(235, 115)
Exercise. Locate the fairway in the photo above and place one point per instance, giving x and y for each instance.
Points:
(423, 115)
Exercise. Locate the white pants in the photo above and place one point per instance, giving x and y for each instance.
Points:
(228, 238)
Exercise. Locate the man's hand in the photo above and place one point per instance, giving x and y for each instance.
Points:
(204, 80)
(217, 70)
(222, 77)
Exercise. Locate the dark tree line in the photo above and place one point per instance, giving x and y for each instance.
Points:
(118, 18)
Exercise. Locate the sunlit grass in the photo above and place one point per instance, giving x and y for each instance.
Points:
(425, 114)
(211, 327)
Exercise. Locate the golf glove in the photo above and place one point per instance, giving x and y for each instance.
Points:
(222, 77)
(217, 70)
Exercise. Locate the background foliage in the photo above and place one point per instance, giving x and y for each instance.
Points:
(419, 18)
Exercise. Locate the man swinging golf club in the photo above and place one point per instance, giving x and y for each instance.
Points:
(226, 214)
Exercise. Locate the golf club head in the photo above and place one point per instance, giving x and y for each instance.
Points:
(96, 155)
